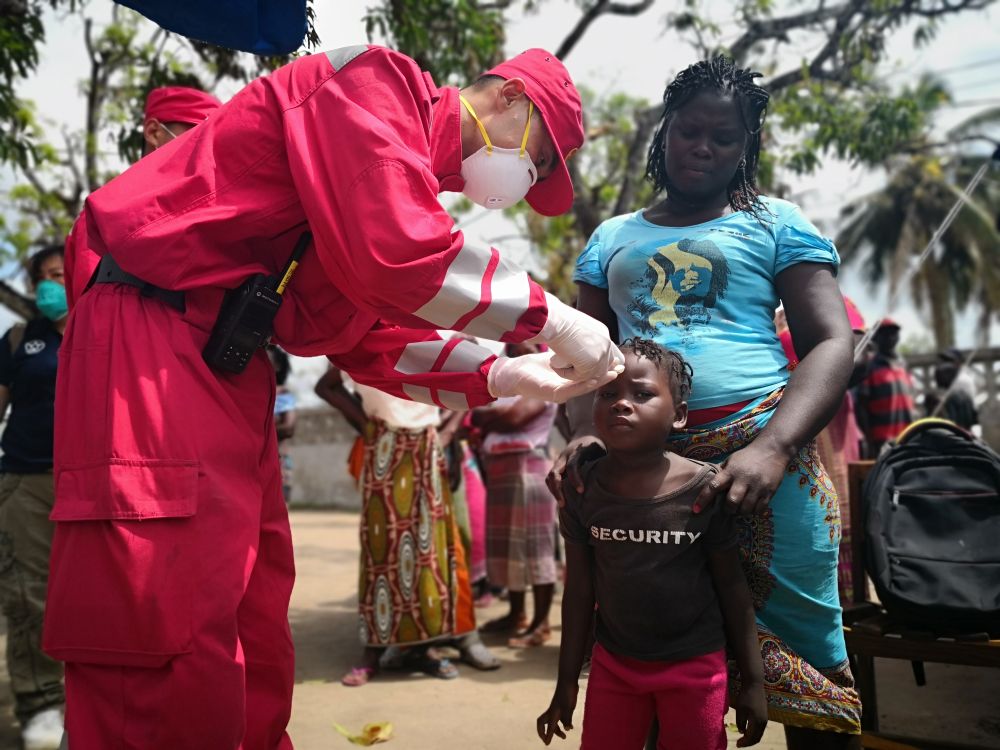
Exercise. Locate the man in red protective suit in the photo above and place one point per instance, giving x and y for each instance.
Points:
(172, 560)
(169, 111)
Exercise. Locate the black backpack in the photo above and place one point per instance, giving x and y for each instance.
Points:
(932, 529)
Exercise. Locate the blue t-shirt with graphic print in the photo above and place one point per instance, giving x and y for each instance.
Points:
(706, 291)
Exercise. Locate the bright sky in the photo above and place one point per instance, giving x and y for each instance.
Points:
(635, 55)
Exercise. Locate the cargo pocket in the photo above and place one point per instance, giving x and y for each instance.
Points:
(123, 567)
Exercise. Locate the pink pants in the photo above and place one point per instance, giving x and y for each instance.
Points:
(688, 697)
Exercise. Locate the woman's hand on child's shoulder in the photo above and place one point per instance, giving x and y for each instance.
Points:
(560, 711)
(566, 473)
(751, 714)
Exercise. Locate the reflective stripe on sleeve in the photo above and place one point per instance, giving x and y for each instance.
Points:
(420, 394)
(481, 294)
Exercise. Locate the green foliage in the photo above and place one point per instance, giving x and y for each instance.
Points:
(127, 58)
(455, 40)
(886, 230)
(865, 127)
(21, 33)
(600, 170)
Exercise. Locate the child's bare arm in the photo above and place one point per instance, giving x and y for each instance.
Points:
(577, 621)
(741, 635)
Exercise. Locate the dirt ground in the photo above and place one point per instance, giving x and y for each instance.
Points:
(497, 710)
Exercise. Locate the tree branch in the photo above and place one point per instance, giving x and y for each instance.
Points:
(775, 28)
(645, 123)
(17, 302)
(584, 211)
(827, 52)
(595, 11)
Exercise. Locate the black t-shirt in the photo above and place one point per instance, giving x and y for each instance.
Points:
(30, 375)
(655, 597)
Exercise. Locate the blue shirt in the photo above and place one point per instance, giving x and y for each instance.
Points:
(706, 291)
(30, 374)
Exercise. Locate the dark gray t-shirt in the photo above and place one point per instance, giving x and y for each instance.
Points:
(655, 598)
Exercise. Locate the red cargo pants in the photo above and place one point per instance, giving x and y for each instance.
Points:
(172, 562)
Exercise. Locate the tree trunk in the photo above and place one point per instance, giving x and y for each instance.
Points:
(938, 295)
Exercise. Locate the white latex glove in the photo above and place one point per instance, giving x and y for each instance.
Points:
(532, 375)
(583, 348)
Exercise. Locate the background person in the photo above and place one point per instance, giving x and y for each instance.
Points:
(885, 397)
(520, 510)
(170, 111)
(414, 580)
(29, 355)
(958, 405)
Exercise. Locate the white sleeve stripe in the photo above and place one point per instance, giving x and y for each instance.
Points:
(419, 357)
(510, 297)
(461, 288)
(453, 400)
(420, 394)
(466, 357)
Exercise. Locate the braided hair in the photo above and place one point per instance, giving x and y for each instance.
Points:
(679, 372)
(719, 74)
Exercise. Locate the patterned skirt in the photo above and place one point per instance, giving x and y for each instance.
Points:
(414, 585)
(789, 554)
(520, 520)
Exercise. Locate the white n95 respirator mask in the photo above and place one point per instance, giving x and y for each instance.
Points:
(498, 177)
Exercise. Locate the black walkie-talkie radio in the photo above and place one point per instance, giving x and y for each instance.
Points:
(246, 318)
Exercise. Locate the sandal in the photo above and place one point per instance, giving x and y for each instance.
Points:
(443, 669)
(358, 676)
(537, 637)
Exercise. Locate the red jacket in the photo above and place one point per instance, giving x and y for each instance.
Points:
(356, 144)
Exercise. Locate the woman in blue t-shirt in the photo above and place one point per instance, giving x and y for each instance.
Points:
(702, 272)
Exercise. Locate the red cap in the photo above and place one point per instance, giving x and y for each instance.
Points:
(180, 104)
(548, 85)
(888, 323)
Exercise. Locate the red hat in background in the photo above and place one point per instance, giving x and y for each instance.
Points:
(180, 104)
(548, 85)
(889, 323)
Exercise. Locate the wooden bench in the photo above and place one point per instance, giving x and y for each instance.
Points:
(870, 633)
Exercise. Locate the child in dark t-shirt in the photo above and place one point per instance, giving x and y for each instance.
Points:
(667, 582)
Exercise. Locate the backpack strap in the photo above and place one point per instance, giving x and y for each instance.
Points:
(15, 336)
(932, 423)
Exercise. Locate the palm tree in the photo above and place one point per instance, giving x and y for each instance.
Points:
(886, 229)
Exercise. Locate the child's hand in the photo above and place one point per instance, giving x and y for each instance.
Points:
(560, 711)
(751, 714)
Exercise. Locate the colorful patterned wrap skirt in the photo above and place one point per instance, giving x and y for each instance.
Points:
(414, 584)
(520, 520)
(789, 554)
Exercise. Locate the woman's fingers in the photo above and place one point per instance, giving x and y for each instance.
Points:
(554, 479)
(719, 484)
(573, 475)
(739, 492)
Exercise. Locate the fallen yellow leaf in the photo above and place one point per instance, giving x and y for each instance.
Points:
(371, 734)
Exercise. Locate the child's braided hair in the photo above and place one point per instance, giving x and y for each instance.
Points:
(678, 370)
(718, 74)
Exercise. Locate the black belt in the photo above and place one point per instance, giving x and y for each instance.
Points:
(109, 272)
